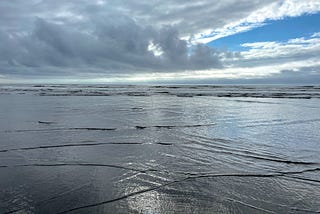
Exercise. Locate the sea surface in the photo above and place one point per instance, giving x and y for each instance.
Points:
(159, 149)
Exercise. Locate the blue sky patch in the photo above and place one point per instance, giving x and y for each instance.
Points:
(279, 30)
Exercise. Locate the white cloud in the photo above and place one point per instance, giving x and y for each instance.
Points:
(155, 49)
(293, 47)
(317, 34)
(274, 11)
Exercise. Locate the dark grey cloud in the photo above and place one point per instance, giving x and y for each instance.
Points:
(103, 46)
(305, 75)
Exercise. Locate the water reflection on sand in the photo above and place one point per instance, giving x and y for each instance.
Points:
(157, 149)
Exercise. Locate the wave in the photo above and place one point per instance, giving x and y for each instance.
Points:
(229, 91)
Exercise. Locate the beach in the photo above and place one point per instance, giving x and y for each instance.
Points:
(159, 149)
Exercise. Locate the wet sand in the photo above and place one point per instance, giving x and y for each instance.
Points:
(159, 149)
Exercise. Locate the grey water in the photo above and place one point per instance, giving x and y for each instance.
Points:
(159, 149)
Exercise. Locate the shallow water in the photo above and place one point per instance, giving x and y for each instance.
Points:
(159, 149)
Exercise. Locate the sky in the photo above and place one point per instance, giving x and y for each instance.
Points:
(173, 41)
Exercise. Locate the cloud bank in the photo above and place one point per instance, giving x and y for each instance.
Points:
(106, 40)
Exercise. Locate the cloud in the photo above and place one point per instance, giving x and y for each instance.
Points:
(118, 40)
(304, 76)
(317, 34)
(190, 17)
(273, 11)
(201, 18)
(106, 47)
(277, 53)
